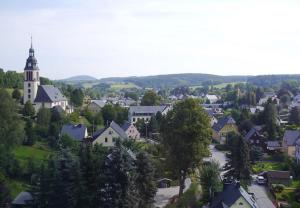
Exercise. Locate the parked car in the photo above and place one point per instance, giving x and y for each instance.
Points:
(261, 180)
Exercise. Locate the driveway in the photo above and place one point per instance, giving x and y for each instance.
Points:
(260, 193)
(216, 155)
(164, 194)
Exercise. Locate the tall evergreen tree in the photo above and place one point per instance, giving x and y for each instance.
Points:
(28, 109)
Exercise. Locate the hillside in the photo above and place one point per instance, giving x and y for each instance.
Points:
(80, 78)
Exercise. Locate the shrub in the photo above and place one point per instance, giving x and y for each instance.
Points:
(278, 188)
(222, 147)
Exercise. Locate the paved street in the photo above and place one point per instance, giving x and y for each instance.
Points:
(216, 155)
(261, 196)
(164, 194)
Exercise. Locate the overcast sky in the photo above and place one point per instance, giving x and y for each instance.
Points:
(104, 38)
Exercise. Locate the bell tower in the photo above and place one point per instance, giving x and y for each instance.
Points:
(31, 77)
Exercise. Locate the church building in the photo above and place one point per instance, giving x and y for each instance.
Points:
(47, 96)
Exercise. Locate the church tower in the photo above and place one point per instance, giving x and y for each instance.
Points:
(31, 77)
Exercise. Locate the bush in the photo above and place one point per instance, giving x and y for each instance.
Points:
(278, 188)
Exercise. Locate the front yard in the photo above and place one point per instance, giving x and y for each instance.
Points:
(259, 167)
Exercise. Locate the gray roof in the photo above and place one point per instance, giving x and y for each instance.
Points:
(146, 109)
(273, 144)
(115, 127)
(22, 198)
(100, 103)
(230, 194)
(253, 130)
(291, 136)
(126, 125)
(221, 123)
(49, 93)
(76, 132)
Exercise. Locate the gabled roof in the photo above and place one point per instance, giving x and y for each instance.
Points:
(126, 125)
(115, 127)
(100, 103)
(221, 123)
(291, 136)
(76, 132)
(146, 109)
(253, 130)
(22, 198)
(231, 193)
(49, 93)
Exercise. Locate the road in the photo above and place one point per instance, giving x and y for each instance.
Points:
(259, 191)
(164, 194)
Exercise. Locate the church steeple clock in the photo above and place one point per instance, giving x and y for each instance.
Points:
(31, 77)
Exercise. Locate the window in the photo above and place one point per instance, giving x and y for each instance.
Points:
(110, 132)
(29, 90)
(105, 139)
(133, 119)
(29, 85)
(29, 96)
(114, 139)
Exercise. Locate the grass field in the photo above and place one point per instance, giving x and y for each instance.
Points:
(119, 86)
(288, 194)
(223, 85)
(265, 166)
(38, 152)
(16, 187)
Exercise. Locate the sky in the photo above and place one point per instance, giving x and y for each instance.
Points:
(117, 38)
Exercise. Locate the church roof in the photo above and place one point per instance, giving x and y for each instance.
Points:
(48, 94)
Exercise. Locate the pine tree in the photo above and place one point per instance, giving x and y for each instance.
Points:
(28, 109)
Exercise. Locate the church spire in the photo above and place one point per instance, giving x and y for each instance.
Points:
(31, 42)
(31, 50)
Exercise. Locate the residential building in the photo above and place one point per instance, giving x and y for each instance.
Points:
(46, 96)
(289, 140)
(76, 132)
(273, 146)
(211, 114)
(297, 151)
(255, 137)
(96, 105)
(223, 127)
(233, 196)
(278, 177)
(145, 112)
(131, 131)
(212, 98)
(108, 135)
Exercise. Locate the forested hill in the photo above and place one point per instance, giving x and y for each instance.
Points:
(173, 80)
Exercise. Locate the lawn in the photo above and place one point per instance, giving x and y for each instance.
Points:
(265, 166)
(223, 85)
(288, 194)
(38, 153)
(16, 187)
(119, 86)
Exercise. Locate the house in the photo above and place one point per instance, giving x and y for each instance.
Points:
(278, 177)
(273, 146)
(297, 151)
(211, 114)
(255, 137)
(212, 98)
(22, 200)
(76, 132)
(145, 112)
(49, 96)
(289, 140)
(46, 96)
(223, 127)
(233, 195)
(108, 135)
(96, 105)
(131, 131)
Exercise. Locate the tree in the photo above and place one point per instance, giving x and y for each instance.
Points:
(11, 128)
(294, 117)
(270, 120)
(30, 134)
(28, 109)
(145, 180)
(5, 198)
(132, 95)
(109, 113)
(77, 97)
(186, 135)
(16, 94)
(43, 121)
(256, 153)
(150, 98)
(210, 180)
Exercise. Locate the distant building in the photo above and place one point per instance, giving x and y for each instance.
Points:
(108, 135)
(46, 96)
(76, 132)
(232, 196)
(211, 114)
(212, 98)
(223, 127)
(131, 131)
(289, 140)
(255, 137)
(96, 105)
(145, 112)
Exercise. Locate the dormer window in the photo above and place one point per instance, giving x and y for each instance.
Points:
(29, 64)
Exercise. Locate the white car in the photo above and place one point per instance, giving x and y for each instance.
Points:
(261, 180)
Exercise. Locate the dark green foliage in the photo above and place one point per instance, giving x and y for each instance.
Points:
(28, 109)
(150, 98)
(11, 79)
(145, 180)
(43, 121)
(210, 180)
(256, 153)
(11, 128)
(77, 97)
(16, 94)
(114, 113)
(5, 198)
(30, 133)
(270, 120)
(186, 134)
(131, 95)
(8, 163)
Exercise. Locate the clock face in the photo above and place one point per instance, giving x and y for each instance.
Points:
(29, 64)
